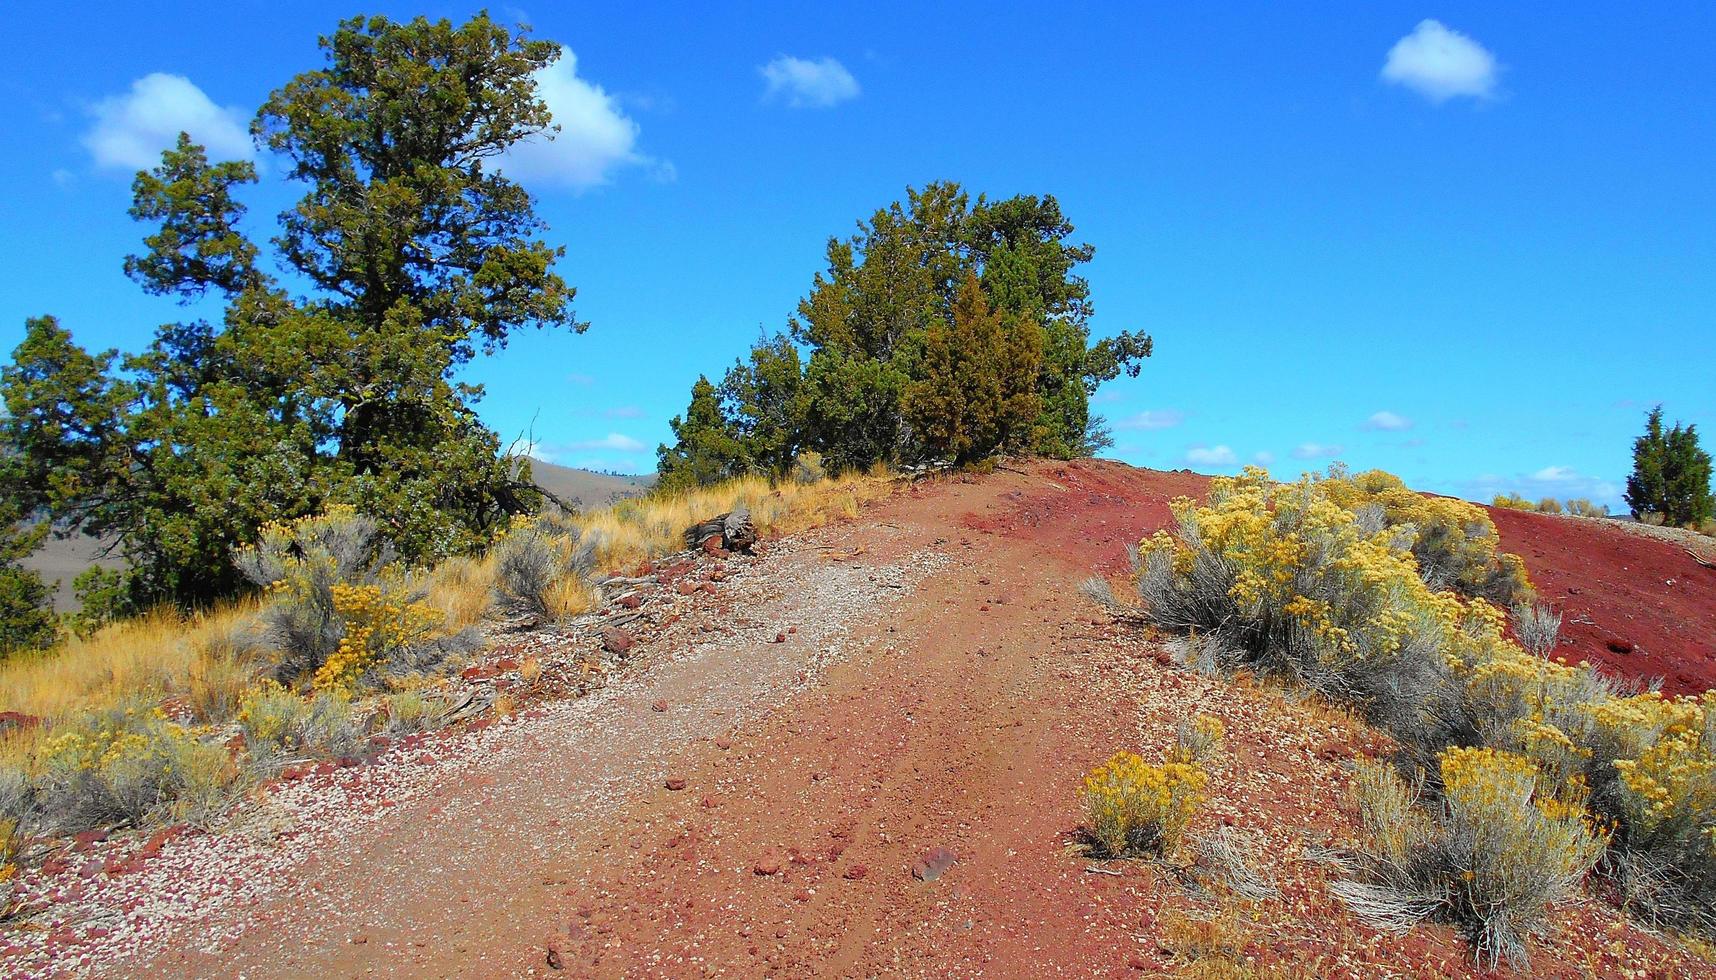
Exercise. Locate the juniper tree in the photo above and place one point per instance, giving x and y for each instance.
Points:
(1671, 475)
(878, 320)
(417, 252)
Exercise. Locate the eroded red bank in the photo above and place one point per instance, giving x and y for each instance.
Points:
(1639, 607)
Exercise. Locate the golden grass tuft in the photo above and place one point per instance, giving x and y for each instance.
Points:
(200, 657)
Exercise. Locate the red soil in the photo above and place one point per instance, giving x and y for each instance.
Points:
(809, 842)
(1639, 607)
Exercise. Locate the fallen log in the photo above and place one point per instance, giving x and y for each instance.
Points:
(735, 529)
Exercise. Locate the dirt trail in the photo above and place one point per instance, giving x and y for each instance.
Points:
(938, 683)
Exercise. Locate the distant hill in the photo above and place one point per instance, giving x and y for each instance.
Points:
(65, 559)
(585, 488)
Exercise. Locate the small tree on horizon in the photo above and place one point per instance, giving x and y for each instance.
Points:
(1671, 475)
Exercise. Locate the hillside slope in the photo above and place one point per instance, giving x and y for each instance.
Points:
(790, 736)
(62, 559)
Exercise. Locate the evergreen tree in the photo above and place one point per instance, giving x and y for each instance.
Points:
(1671, 475)
(27, 619)
(905, 363)
(418, 254)
(705, 449)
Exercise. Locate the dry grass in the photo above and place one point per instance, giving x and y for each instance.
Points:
(201, 658)
(157, 655)
(634, 531)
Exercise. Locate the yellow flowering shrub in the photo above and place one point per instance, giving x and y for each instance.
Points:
(376, 621)
(1492, 856)
(1454, 542)
(1668, 774)
(1198, 739)
(1391, 601)
(124, 766)
(1134, 807)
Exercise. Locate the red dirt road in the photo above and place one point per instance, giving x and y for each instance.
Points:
(959, 713)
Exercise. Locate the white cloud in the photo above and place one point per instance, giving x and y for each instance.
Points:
(594, 139)
(1440, 64)
(1388, 422)
(624, 412)
(1263, 458)
(1560, 482)
(612, 441)
(1155, 418)
(1316, 450)
(1211, 456)
(807, 84)
(132, 129)
(581, 379)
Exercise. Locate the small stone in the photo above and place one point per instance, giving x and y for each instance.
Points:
(629, 601)
(933, 863)
(617, 641)
(658, 704)
(780, 637)
(769, 865)
(674, 783)
(856, 873)
(554, 961)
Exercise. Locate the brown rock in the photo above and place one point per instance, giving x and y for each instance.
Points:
(629, 601)
(675, 783)
(767, 865)
(659, 705)
(617, 641)
(856, 873)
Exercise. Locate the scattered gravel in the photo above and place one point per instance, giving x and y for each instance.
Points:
(785, 615)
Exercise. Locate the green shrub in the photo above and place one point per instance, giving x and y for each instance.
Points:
(278, 726)
(1671, 474)
(535, 565)
(1492, 855)
(1580, 507)
(127, 765)
(103, 597)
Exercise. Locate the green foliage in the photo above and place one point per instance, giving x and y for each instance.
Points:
(976, 393)
(199, 245)
(706, 448)
(103, 596)
(945, 328)
(415, 252)
(26, 614)
(1671, 475)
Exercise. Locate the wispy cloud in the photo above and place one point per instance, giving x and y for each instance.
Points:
(1388, 422)
(594, 139)
(1211, 456)
(1155, 418)
(808, 84)
(1316, 450)
(623, 412)
(131, 130)
(1441, 64)
(1263, 458)
(613, 441)
(1560, 482)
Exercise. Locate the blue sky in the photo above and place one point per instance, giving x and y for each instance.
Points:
(1465, 242)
